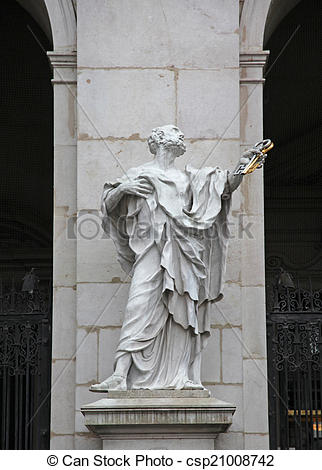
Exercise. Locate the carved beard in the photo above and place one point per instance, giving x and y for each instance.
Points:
(178, 146)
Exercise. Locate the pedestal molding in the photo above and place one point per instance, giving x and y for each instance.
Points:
(158, 418)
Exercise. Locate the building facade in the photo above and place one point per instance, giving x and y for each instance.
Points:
(121, 68)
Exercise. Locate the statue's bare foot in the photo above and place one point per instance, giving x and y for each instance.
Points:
(114, 382)
(190, 385)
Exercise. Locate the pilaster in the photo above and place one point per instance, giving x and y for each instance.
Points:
(64, 270)
(253, 260)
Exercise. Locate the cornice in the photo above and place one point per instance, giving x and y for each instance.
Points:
(64, 67)
(251, 67)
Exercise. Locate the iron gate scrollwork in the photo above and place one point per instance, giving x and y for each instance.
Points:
(294, 341)
(24, 367)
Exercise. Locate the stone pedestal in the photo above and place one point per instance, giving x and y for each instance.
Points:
(174, 419)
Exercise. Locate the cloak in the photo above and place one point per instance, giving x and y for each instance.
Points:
(174, 245)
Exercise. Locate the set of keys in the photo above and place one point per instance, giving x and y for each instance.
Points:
(260, 150)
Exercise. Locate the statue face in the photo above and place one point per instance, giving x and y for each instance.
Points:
(169, 137)
(174, 139)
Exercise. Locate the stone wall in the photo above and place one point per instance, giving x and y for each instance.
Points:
(144, 63)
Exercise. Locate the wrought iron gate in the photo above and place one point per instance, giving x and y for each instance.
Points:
(24, 367)
(294, 342)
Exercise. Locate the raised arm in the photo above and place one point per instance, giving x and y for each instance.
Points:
(235, 180)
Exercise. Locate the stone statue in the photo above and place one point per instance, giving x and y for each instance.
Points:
(170, 231)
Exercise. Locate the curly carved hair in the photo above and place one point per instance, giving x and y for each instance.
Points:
(156, 139)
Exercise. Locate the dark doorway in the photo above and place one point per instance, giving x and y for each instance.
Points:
(26, 226)
(293, 228)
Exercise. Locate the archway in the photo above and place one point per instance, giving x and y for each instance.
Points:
(26, 227)
(293, 204)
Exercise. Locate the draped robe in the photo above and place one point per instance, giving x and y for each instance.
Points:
(174, 245)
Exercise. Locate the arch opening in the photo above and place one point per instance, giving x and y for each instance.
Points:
(38, 11)
(26, 227)
(278, 10)
(293, 225)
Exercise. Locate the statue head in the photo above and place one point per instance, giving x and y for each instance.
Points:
(169, 137)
